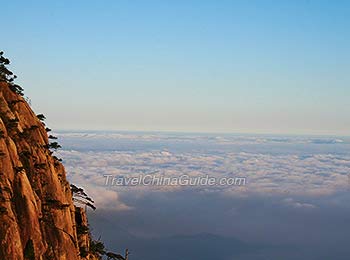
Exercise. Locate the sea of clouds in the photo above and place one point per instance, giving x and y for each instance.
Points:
(295, 166)
(295, 185)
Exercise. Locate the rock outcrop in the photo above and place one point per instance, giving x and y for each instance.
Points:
(38, 219)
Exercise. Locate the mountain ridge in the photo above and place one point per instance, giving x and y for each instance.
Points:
(38, 219)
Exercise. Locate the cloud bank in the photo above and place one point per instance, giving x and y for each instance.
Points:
(293, 206)
(291, 173)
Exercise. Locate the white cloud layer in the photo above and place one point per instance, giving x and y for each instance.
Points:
(292, 173)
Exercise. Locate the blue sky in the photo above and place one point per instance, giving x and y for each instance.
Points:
(208, 66)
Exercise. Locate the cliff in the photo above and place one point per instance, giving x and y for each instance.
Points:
(38, 219)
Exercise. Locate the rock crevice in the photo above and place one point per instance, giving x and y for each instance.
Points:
(38, 219)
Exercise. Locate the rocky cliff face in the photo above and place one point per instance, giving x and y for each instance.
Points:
(38, 219)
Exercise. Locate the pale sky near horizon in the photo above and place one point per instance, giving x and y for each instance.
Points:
(201, 66)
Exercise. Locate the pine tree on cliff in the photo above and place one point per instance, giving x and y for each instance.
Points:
(7, 76)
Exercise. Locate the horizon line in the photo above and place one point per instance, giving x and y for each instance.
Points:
(200, 132)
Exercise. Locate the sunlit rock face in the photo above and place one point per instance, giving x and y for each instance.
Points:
(38, 219)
